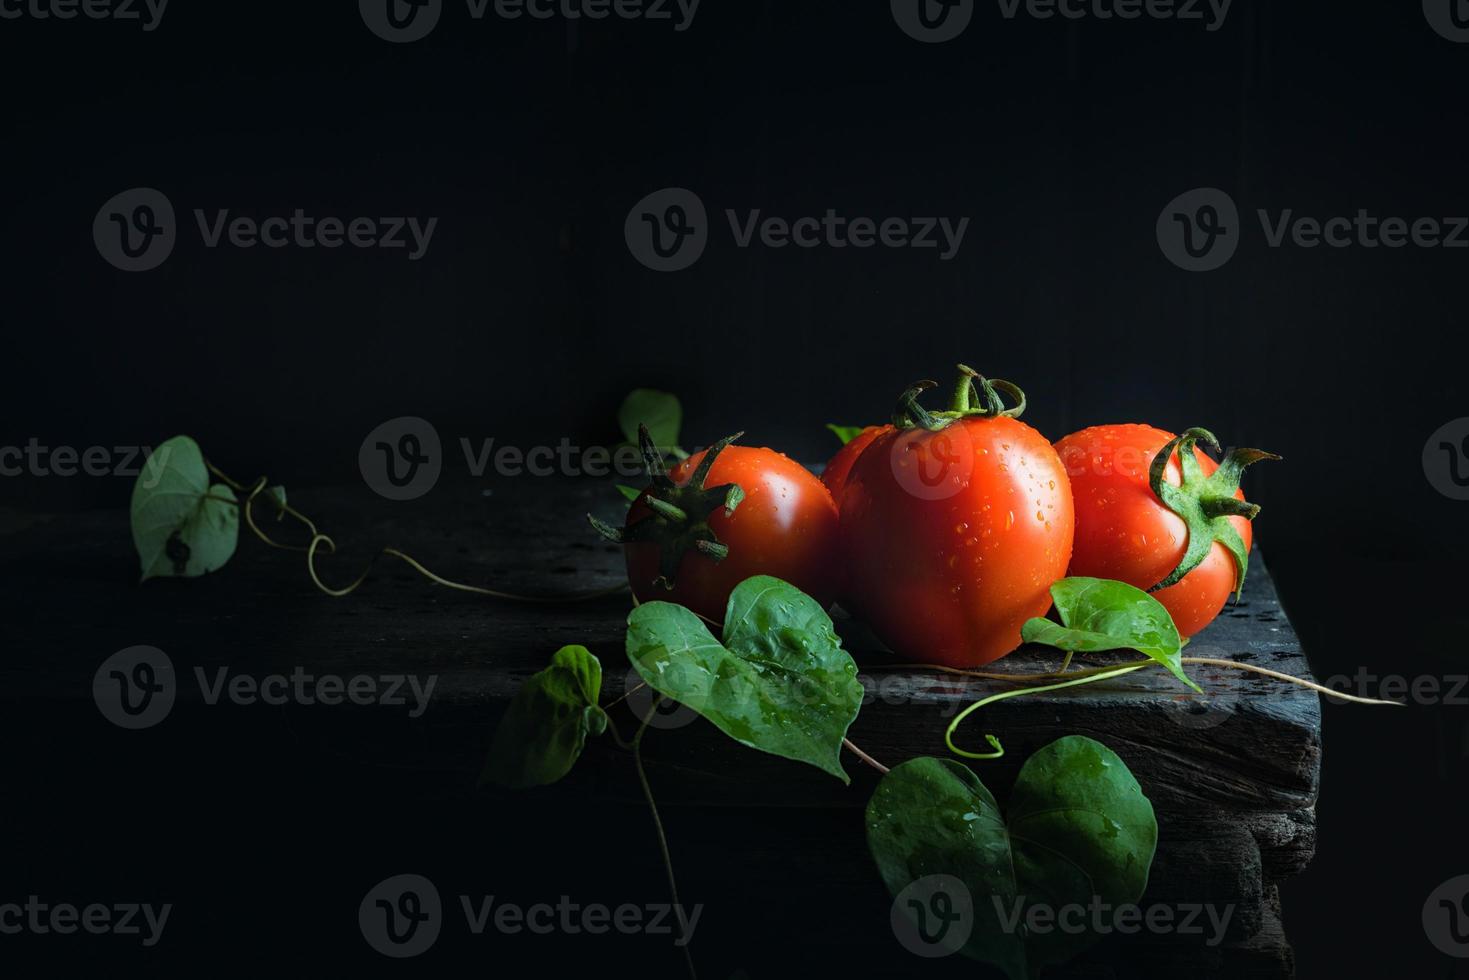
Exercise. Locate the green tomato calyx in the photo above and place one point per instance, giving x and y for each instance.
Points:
(974, 396)
(1205, 503)
(679, 521)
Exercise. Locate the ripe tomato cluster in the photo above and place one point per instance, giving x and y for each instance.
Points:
(945, 531)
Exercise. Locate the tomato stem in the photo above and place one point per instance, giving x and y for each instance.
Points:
(963, 390)
(973, 396)
(1205, 503)
(909, 413)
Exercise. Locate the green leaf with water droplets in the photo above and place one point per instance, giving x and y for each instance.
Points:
(1102, 614)
(780, 682)
(1079, 834)
(181, 525)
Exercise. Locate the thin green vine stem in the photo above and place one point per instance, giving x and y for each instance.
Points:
(995, 742)
(319, 541)
(629, 692)
(1092, 674)
(612, 730)
(1087, 672)
(637, 757)
(869, 760)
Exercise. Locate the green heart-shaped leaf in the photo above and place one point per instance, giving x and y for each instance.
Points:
(545, 728)
(780, 682)
(1101, 614)
(181, 525)
(658, 410)
(1080, 834)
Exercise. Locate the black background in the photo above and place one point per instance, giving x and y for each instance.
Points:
(528, 319)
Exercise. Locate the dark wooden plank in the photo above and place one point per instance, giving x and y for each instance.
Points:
(1233, 774)
(1250, 743)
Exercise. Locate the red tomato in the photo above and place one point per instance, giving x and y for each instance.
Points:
(954, 537)
(786, 526)
(1124, 532)
(835, 474)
